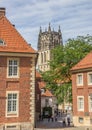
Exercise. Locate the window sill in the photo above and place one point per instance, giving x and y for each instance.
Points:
(11, 115)
(12, 79)
(80, 87)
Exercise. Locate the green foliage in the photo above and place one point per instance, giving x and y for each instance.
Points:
(58, 78)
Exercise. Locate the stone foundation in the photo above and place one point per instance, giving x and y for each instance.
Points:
(17, 126)
(82, 121)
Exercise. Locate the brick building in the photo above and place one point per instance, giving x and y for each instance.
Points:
(44, 97)
(38, 95)
(17, 78)
(82, 91)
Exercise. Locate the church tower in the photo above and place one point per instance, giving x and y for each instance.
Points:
(47, 40)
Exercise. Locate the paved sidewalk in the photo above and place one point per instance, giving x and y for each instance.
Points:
(57, 125)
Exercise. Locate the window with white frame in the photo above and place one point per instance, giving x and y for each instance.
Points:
(46, 102)
(81, 119)
(13, 66)
(42, 90)
(80, 103)
(79, 79)
(90, 78)
(12, 104)
(90, 103)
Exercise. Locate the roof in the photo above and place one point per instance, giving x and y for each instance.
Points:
(41, 83)
(13, 40)
(38, 75)
(86, 62)
(47, 94)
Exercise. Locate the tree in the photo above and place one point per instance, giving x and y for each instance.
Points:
(58, 78)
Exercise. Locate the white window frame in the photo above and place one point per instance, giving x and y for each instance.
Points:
(90, 103)
(81, 120)
(89, 83)
(13, 76)
(79, 84)
(42, 90)
(46, 102)
(12, 113)
(78, 103)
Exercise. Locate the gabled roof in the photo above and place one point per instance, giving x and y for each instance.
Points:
(85, 63)
(42, 85)
(38, 75)
(14, 42)
(47, 94)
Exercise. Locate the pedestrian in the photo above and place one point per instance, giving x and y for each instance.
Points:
(52, 118)
(68, 120)
(64, 123)
(48, 118)
(59, 113)
(55, 118)
(39, 117)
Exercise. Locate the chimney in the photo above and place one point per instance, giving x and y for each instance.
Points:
(2, 11)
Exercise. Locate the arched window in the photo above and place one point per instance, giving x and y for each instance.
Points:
(44, 56)
(41, 57)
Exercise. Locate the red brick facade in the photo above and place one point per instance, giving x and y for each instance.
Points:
(21, 84)
(38, 96)
(17, 94)
(84, 90)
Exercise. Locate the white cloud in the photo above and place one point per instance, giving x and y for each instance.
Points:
(73, 16)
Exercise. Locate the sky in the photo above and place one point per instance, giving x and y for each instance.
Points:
(73, 16)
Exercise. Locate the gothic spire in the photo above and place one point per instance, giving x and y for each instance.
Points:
(59, 30)
(49, 28)
(40, 30)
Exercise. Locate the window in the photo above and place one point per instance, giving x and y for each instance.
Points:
(13, 65)
(80, 103)
(90, 78)
(42, 90)
(80, 79)
(80, 119)
(2, 43)
(12, 103)
(44, 56)
(46, 102)
(41, 57)
(90, 103)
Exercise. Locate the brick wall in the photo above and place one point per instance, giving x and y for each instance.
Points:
(21, 84)
(80, 91)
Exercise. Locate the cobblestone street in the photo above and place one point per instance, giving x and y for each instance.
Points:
(57, 125)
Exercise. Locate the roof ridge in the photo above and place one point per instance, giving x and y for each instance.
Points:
(83, 62)
(13, 37)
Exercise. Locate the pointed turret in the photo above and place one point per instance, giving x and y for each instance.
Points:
(59, 30)
(40, 30)
(49, 28)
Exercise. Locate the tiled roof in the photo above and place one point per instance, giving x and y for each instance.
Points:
(48, 94)
(38, 75)
(14, 42)
(42, 84)
(86, 62)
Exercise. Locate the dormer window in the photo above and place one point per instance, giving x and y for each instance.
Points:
(2, 43)
(42, 90)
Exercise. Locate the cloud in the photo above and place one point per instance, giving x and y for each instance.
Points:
(74, 17)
